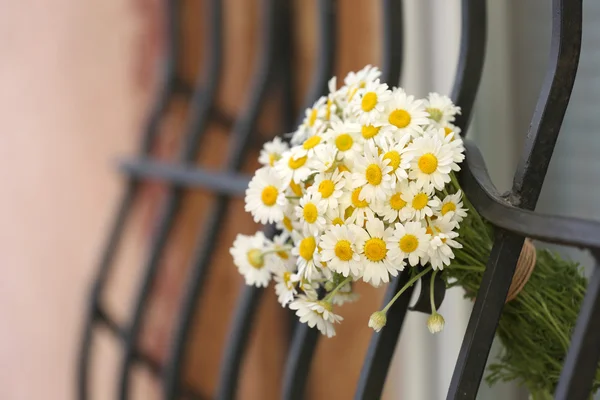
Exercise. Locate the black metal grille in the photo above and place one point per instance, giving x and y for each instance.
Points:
(511, 213)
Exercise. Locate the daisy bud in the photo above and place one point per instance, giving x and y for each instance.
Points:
(377, 320)
(329, 286)
(435, 323)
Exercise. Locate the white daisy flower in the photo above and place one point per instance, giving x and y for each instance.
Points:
(404, 115)
(345, 137)
(359, 211)
(331, 187)
(441, 109)
(344, 295)
(452, 129)
(395, 151)
(295, 190)
(308, 258)
(432, 162)
(293, 166)
(372, 175)
(285, 287)
(409, 241)
(372, 244)
(289, 222)
(324, 158)
(307, 148)
(337, 216)
(311, 212)
(393, 208)
(451, 141)
(374, 133)
(311, 120)
(265, 196)
(419, 202)
(361, 78)
(272, 151)
(339, 251)
(369, 103)
(316, 313)
(452, 205)
(440, 251)
(247, 252)
(278, 253)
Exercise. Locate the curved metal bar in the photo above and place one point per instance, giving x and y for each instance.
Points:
(239, 141)
(188, 176)
(566, 42)
(479, 189)
(165, 95)
(238, 339)
(383, 343)
(298, 361)
(552, 102)
(581, 364)
(202, 103)
(393, 41)
(470, 59)
(325, 60)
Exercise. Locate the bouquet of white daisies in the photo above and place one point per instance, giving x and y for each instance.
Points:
(365, 190)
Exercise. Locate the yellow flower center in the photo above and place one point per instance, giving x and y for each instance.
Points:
(408, 243)
(344, 142)
(313, 117)
(326, 188)
(448, 207)
(369, 131)
(255, 258)
(296, 188)
(428, 163)
(399, 118)
(287, 277)
(337, 221)
(447, 131)
(310, 213)
(352, 93)
(435, 114)
(269, 195)
(394, 158)
(396, 202)
(362, 84)
(343, 250)
(328, 109)
(373, 174)
(287, 223)
(343, 168)
(420, 201)
(295, 163)
(307, 247)
(369, 101)
(375, 249)
(356, 202)
(429, 231)
(311, 142)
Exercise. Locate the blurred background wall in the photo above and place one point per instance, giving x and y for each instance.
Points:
(76, 81)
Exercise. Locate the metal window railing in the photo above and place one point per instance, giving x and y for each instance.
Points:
(511, 214)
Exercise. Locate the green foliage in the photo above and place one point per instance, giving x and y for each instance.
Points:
(535, 328)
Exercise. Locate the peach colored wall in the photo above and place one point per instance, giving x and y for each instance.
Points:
(70, 101)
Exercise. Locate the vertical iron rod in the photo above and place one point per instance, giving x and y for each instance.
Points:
(163, 99)
(242, 134)
(202, 103)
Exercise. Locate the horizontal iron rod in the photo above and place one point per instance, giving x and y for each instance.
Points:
(189, 176)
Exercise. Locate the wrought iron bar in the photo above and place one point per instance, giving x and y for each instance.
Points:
(383, 343)
(165, 95)
(552, 104)
(470, 59)
(239, 146)
(187, 176)
(202, 103)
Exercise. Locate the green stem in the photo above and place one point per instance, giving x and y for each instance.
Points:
(338, 287)
(408, 284)
(431, 287)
